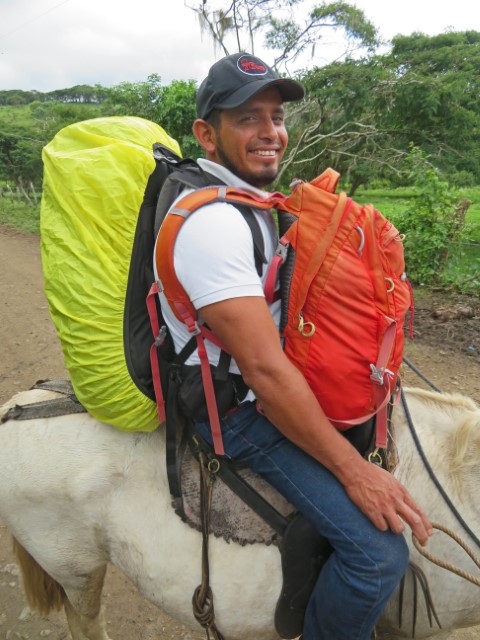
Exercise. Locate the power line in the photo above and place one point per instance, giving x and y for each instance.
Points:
(23, 24)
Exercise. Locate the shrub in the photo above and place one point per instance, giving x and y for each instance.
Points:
(433, 220)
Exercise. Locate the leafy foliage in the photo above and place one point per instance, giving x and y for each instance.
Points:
(82, 93)
(172, 106)
(431, 223)
(242, 24)
(27, 128)
(362, 114)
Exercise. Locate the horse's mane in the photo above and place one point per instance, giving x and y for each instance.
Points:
(465, 438)
(453, 400)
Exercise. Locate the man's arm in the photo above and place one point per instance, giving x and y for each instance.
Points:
(247, 329)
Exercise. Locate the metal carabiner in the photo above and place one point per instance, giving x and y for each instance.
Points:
(391, 283)
(375, 458)
(213, 466)
(302, 327)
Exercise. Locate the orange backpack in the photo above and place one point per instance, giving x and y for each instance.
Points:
(345, 296)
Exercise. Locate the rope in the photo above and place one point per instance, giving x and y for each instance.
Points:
(202, 600)
(447, 565)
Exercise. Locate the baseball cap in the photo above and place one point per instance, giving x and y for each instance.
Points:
(236, 78)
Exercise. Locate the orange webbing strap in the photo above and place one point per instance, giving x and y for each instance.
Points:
(381, 367)
(176, 294)
(179, 213)
(201, 197)
(322, 248)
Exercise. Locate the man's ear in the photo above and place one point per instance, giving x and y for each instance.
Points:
(205, 135)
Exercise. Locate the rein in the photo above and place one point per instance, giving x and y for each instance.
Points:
(420, 374)
(446, 565)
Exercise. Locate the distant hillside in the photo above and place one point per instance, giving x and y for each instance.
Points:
(81, 93)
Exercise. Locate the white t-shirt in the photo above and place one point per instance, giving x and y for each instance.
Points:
(214, 259)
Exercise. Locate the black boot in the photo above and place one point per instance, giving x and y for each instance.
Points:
(304, 552)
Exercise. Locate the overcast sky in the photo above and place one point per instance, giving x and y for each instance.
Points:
(55, 44)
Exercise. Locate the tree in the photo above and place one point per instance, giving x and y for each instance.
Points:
(176, 113)
(171, 106)
(431, 223)
(135, 98)
(338, 125)
(361, 115)
(277, 24)
(436, 104)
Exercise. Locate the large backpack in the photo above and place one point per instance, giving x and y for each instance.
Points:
(107, 184)
(345, 296)
(102, 179)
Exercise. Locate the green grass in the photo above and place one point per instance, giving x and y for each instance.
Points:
(19, 215)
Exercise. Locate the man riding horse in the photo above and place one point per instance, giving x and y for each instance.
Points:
(358, 506)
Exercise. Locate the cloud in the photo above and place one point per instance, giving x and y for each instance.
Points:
(98, 41)
(54, 44)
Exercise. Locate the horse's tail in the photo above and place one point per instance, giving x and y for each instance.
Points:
(43, 593)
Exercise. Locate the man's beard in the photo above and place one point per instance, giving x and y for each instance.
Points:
(256, 179)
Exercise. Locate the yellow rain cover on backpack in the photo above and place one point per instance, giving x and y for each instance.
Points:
(95, 174)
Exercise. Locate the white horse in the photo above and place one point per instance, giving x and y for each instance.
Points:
(77, 494)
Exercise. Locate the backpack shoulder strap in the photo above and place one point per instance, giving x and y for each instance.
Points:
(177, 215)
(178, 174)
(187, 174)
(258, 243)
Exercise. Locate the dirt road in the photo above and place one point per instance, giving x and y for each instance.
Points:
(30, 351)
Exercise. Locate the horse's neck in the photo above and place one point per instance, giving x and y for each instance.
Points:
(446, 431)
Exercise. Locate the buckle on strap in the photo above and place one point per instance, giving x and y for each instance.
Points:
(282, 251)
(377, 375)
(194, 328)
(162, 334)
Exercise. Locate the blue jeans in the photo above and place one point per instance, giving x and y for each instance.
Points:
(366, 565)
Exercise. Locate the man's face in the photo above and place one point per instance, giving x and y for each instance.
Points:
(251, 139)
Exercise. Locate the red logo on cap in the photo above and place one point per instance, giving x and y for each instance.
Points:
(252, 66)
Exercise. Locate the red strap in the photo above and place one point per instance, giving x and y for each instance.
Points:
(411, 309)
(158, 340)
(386, 346)
(381, 424)
(152, 308)
(157, 385)
(271, 278)
(201, 333)
(210, 397)
(382, 398)
(381, 428)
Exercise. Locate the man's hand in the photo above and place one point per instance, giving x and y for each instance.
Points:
(386, 502)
